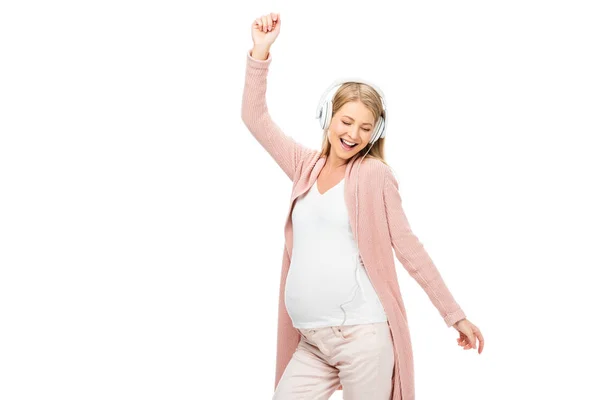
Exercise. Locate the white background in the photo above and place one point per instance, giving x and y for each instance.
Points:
(141, 224)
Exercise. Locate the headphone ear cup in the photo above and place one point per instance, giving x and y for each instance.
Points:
(376, 131)
(382, 128)
(327, 114)
(322, 116)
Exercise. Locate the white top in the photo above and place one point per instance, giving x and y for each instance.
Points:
(324, 260)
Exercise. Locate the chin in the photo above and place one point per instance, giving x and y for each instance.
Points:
(346, 155)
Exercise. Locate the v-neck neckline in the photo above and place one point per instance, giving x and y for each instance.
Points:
(328, 190)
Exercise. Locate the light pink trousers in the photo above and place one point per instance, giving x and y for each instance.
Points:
(360, 357)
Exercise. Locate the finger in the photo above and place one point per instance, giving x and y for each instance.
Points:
(465, 341)
(477, 335)
(277, 21)
(472, 341)
(481, 342)
(264, 23)
(274, 16)
(258, 23)
(269, 23)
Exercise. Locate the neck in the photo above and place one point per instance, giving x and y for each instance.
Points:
(334, 163)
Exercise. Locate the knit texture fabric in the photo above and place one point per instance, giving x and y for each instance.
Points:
(382, 227)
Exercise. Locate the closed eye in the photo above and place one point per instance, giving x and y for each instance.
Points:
(345, 123)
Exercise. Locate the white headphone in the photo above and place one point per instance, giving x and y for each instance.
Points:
(324, 114)
(325, 107)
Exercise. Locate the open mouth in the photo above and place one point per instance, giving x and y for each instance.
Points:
(345, 146)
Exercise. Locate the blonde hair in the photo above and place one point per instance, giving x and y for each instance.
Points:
(358, 91)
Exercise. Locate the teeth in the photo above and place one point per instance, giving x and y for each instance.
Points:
(348, 143)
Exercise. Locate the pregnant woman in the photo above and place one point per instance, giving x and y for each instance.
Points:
(342, 322)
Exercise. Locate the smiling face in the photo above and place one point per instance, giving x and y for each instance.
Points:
(354, 123)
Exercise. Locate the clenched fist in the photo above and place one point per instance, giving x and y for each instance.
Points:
(265, 30)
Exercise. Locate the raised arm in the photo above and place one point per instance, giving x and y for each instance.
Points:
(255, 114)
(413, 256)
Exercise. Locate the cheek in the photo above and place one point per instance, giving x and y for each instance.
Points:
(339, 126)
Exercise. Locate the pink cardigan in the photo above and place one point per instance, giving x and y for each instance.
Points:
(381, 220)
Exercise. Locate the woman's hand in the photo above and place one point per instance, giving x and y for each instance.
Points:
(468, 335)
(265, 30)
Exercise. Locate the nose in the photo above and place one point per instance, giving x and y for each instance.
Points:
(354, 134)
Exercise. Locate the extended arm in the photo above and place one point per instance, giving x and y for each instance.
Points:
(413, 256)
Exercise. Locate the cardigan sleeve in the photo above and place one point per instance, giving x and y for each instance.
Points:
(286, 152)
(413, 256)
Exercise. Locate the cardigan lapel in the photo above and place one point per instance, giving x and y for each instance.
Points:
(349, 195)
(303, 185)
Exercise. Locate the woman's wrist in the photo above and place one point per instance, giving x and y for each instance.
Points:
(260, 52)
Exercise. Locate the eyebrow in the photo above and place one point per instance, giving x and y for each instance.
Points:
(368, 123)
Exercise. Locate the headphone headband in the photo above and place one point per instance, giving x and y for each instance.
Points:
(329, 93)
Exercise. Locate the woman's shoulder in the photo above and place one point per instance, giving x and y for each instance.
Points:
(376, 166)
